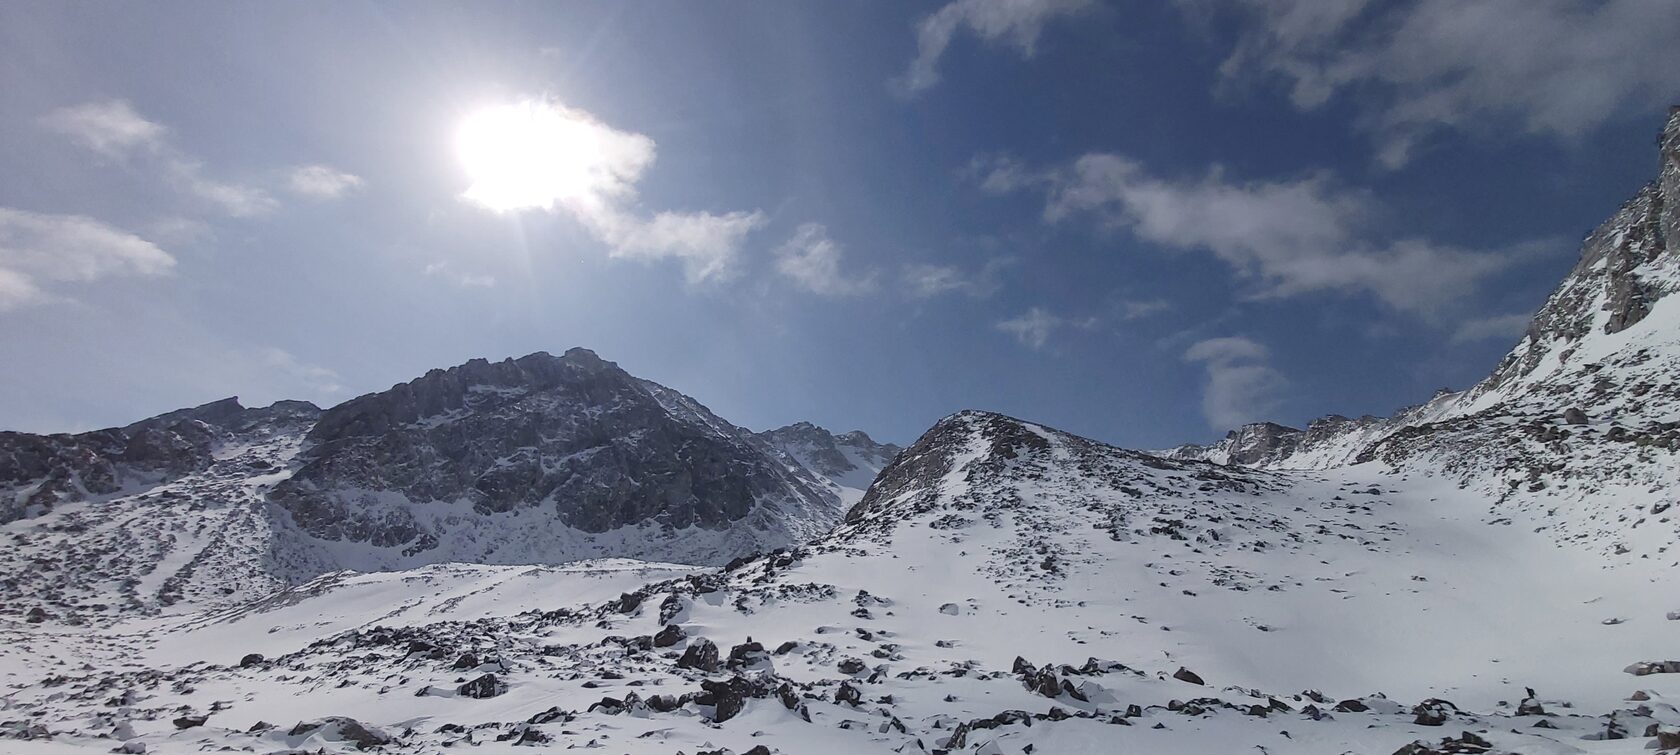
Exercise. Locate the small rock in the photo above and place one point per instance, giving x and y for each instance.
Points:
(1186, 675)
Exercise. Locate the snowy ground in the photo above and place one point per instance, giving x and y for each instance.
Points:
(1274, 589)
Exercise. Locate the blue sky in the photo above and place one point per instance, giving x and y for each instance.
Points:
(1140, 222)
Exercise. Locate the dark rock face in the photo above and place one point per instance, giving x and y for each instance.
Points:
(39, 471)
(573, 437)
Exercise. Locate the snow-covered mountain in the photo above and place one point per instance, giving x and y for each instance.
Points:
(536, 460)
(848, 462)
(1580, 422)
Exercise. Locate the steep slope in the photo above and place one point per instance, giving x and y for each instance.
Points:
(1585, 404)
(1002, 588)
(538, 460)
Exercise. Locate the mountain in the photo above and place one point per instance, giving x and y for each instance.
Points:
(536, 460)
(1003, 587)
(848, 462)
(1580, 421)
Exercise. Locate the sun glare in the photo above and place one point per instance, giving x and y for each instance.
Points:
(535, 155)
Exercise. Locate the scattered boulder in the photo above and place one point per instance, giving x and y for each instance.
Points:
(950, 609)
(1530, 706)
(484, 687)
(466, 661)
(1186, 675)
(848, 694)
(190, 722)
(1574, 416)
(851, 666)
(251, 659)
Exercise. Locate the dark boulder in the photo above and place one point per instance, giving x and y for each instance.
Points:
(484, 687)
(670, 635)
(251, 659)
(1186, 675)
(701, 655)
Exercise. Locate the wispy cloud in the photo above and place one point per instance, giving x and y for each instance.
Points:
(322, 182)
(1557, 67)
(1016, 23)
(37, 250)
(1034, 327)
(1288, 237)
(1241, 386)
(570, 161)
(113, 128)
(315, 378)
(812, 260)
(926, 281)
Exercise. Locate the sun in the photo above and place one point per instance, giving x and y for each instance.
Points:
(536, 155)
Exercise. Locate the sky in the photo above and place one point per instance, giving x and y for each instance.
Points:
(1141, 222)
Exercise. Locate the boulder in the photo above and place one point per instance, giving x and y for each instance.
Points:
(1186, 675)
(670, 635)
(342, 729)
(484, 687)
(701, 655)
(251, 659)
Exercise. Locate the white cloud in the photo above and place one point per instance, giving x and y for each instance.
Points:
(37, 248)
(545, 156)
(313, 377)
(1035, 327)
(812, 259)
(1557, 67)
(1137, 309)
(1289, 237)
(1241, 386)
(1014, 22)
(1500, 327)
(706, 244)
(926, 281)
(114, 129)
(322, 182)
(236, 200)
(111, 127)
